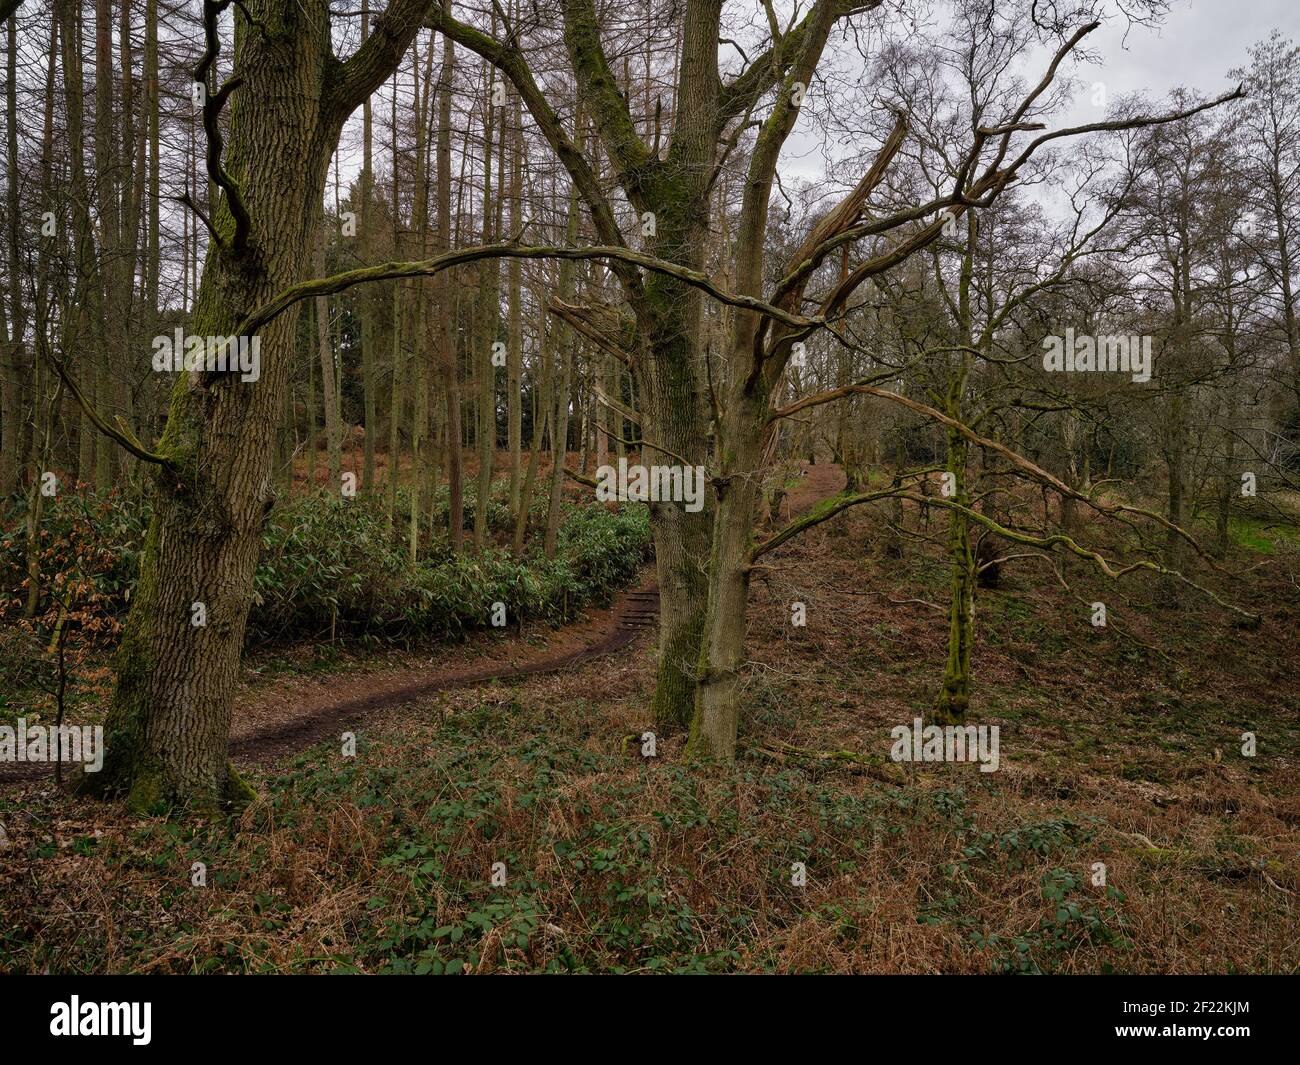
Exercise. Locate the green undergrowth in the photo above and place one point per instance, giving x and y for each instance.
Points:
(330, 567)
(384, 863)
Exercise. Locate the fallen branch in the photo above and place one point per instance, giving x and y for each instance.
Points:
(1112, 570)
(852, 761)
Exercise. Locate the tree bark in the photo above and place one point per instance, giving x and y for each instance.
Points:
(12, 371)
(329, 382)
(446, 302)
(169, 721)
(489, 272)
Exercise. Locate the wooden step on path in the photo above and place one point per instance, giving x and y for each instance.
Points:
(639, 610)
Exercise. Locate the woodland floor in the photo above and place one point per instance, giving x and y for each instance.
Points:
(1118, 745)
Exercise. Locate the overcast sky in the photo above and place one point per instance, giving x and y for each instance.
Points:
(1200, 41)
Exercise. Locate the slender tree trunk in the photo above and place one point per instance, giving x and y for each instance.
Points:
(329, 383)
(84, 303)
(396, 396)
(153, 243)
(1228, 486)
(368, 304)
(564, 353)
(515, 340)
(12, 372)
(544, 415)
(489, 273)
(397, 384)
(313, 427)
(420, 444)
(108, 351)
(41, 455)
(954, 692)
(125, 324)
(446, 301)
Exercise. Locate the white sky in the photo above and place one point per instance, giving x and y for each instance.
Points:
(1198, 43)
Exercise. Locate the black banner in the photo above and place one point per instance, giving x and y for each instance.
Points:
(144, 1014)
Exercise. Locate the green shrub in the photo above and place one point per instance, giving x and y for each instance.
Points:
(330, 565)
(333, 566)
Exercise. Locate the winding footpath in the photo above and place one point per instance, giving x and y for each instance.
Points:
(313, 721)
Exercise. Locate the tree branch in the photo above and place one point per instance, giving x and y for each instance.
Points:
(212, 106)
(1017, 460)
(326, 286)
(510, 61)
(121, 434)
(823, 511)
(573, 315)
(1114, 570)
(600, 92)
(379, 54)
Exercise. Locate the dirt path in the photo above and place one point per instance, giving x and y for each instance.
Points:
(339, 708)
(283, 718)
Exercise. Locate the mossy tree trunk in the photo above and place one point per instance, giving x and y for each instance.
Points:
(716, 717)
(169, 720)
(670, 190)
(673, 192)
(752, 373)
(954, 693)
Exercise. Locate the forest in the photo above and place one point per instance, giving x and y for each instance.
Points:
(566, 486)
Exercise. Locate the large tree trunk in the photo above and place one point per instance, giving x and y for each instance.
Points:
(674, 189)
(169, 720)
(671, 417)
